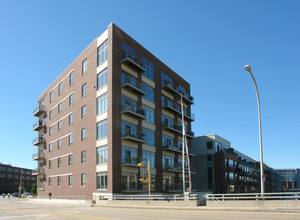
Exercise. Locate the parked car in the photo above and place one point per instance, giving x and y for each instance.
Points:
(15, 194)
(27, 194)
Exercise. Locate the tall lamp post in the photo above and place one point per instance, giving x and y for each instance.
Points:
(248, 68)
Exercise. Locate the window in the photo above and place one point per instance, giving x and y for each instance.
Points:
(167, 121)
(59, 181)
(50, 164)
(128, 129)
(50, 148)
(129, 181)
(167, 141)
(102, 104)
(149, 92)
(59, 162)
(59, 107)
(83, 134)
(83, 111)
(71, 78)
(70, 118)
(102, 53)
(102, 180)
(71, 99)
(127, 52)
(59, 144)
(84, 66)
(59, 125)
(149, 156)
(102, 79)
(70, 159)
(51, 97)
(70, 139)
(166, 80)
(50, 131)
(70, 180)
(149, 69)
(149, 112)
(101, 155)
(83, 179)
(101, 129)
(50, 181)
(128, 104)
(129, 155)
(149, 136)
(50, 114)
(60, 88)
(167, 161)
(209, 145)
(83, 90)
(83, 157)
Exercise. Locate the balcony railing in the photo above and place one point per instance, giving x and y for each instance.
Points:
(132, 83)
(38, 125)
(173, 168)
(39, 155)
(39, 109)
(174, 88)
(170, 147)
(38, 140)
(189, 116)
(132, 61)
(172, 127)
(169, 104)
(134, 136)
(133, 110)
(130, 161)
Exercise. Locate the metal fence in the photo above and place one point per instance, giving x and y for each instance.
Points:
(193, 197)
(254, 196)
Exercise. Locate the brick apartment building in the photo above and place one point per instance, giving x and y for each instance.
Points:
(114, 106)
(11, 177)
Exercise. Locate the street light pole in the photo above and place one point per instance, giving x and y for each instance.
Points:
(248, 68)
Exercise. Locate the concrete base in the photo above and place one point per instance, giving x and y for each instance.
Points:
(147, 203)
(254, 203)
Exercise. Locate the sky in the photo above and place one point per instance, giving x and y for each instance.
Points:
(208, 43)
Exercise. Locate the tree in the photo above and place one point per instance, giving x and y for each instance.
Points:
(33, 189)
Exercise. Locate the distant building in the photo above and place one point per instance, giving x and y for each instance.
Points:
(11, 177)
(290, 178)
(222, 169)
(273, 181)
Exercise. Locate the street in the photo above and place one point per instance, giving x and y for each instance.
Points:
(23, 209)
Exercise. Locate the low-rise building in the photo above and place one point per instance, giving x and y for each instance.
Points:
(290, 179)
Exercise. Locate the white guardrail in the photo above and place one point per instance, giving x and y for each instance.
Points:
(192, 197)
(254, 196)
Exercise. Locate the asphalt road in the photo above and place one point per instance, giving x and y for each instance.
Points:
(11, 209)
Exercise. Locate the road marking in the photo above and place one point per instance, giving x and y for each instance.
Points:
(21, 216)
(57, 214)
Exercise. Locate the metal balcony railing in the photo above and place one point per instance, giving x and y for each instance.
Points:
(37, 125)
(38, 140)
(132, 61)
(134, 136)
(174, 87)
(132, 83)
(38, 109)
(38, 155)
(131, 161)
(134, 110)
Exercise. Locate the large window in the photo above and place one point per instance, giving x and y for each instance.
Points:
(165, 80)
(149, 136)
(128, 52)
(102, 129)
(167, 141)
(101, 155)
(149, 112)
(149, 69)
(70, 139)
(168, 161)
(83, 134)
(149, 156)
(102, 53)
(102, 79)
(84, 66)
(166, 120)
(70, 159)
(149, 92)
(129, 181)
(60, 88)
(129, 155)
(71, 78)
(102, 104)
(83, 90)
(70, 180)
(83, 157)
(83, 179)
(128, 129)
(128, 104)
(102, 180)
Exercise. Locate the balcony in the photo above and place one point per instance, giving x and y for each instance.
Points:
(38, 110)
(174, 88)
(170, 147)
(38, 125)
(170, 105)
(171, 127)
(130, 161)
(190, 134)
(172, 168)
(132, 61)
(38, 140)
(38, 156)
(131, 83)
(133, 110)
(189, 116)
(132, 136)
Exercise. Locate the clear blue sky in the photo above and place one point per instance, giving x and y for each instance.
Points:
(207, 42)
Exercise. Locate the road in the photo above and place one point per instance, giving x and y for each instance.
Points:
(15, 209)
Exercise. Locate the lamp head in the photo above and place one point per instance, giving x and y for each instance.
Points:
(248, 68)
